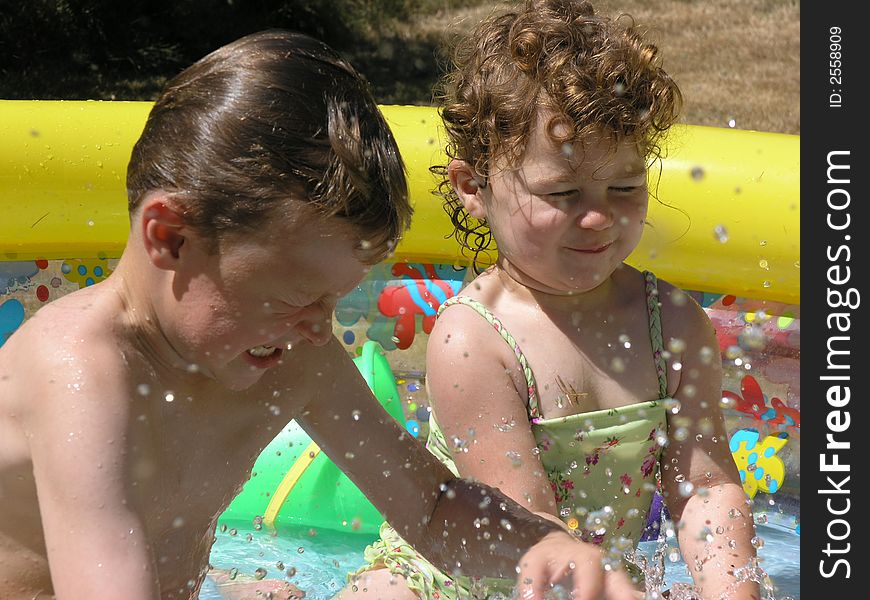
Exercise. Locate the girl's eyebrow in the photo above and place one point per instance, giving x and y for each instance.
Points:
(633, 170)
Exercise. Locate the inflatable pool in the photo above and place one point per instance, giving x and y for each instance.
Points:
(724, 225)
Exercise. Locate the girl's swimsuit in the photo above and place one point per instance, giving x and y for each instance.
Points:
(602, 466)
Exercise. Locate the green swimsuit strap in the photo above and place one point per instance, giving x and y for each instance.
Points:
(654, 311)
(534, 411)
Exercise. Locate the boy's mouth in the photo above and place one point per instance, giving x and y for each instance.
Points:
(263, 357)
(262, 351)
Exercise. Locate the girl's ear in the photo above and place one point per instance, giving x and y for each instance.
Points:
(468, 185)
(163, 231)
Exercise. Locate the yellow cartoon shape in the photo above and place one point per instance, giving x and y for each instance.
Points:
(758, 464)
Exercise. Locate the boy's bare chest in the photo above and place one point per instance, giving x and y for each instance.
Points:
(187, 463)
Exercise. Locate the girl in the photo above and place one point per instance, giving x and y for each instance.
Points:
(558, 374)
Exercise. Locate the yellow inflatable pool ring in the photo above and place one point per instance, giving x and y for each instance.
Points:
(726, 218)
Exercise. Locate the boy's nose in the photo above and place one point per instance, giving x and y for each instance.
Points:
(316, 331)
(316, 324)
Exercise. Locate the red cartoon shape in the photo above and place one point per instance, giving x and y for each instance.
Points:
(413, 298)
(752, 402)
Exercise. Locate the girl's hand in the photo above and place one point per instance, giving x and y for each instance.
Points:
(559, 558)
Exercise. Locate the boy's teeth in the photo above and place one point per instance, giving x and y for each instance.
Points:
(262, 351)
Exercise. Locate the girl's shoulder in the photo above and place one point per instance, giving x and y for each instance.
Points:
(681, 315)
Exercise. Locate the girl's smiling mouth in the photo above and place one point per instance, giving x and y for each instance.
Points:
(593, 249)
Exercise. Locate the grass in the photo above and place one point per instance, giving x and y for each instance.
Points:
(733, 59)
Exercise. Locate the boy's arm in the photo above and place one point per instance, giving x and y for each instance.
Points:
(699, 478)
(95, 542)
(456, 524)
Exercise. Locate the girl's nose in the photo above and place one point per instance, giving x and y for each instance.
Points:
(597, 217)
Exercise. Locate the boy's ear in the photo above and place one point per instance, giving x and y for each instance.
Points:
(468, 185)
(163, 231)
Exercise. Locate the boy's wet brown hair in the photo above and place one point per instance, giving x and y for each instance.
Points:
(271, 116)
(595, 75)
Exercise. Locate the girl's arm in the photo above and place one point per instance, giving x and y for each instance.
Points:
(459, 525)
(699, 478)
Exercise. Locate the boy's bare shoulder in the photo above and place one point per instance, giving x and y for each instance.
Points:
(67, 345)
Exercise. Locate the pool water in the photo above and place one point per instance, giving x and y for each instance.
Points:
(318, 561)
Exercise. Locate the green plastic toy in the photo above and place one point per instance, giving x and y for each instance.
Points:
(294, 484)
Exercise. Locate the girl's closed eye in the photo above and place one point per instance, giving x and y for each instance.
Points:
(627, 189)
(562, 194)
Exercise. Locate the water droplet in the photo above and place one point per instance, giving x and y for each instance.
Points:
(143, 389)
(356, 414)
(764, 264)
(720, 233)
(765, 283)
(169, 396)
(757, 542)
(279, 565)
(259, 573)
(732, 352)
(676, 345)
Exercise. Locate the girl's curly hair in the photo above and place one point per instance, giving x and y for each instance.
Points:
(594, 74)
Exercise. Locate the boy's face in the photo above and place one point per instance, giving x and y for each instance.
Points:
(246, 305)
(566, 217)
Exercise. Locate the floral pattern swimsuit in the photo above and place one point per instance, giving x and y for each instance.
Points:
(602, 467)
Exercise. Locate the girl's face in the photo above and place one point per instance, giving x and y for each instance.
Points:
(567, 217)
(256, 298)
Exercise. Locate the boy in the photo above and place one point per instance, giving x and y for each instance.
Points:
(264, 185)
